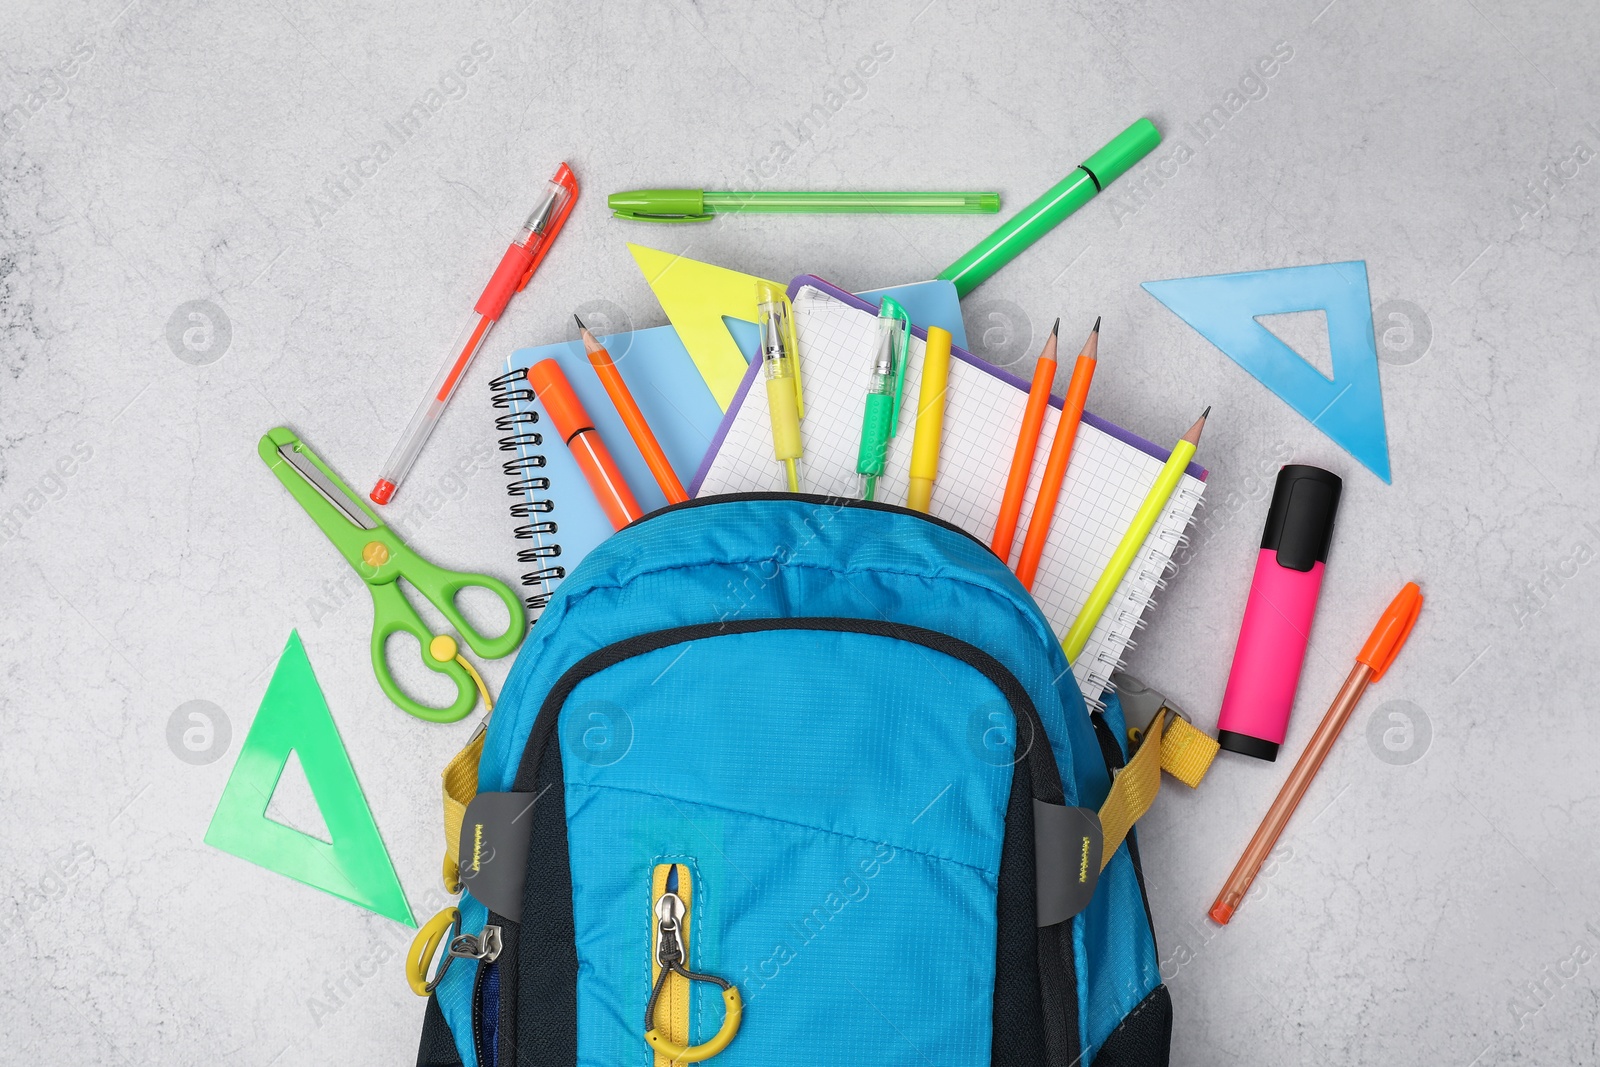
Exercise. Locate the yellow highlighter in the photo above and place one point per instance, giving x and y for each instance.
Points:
(1144, 520)
(930, 419)
(780, 358)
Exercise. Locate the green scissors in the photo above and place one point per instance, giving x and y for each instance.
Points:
(381, 558)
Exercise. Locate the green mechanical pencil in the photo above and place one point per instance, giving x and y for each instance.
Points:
(888, 380)
(698, 205)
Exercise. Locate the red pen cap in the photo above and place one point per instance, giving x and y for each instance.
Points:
(567, 182)
(539, 232)
(1392, 630)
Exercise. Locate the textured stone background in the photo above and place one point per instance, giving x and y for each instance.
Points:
(180, 269)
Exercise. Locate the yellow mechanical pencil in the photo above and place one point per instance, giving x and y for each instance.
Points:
(780, 358)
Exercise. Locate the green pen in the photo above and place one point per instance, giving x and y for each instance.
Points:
(1059, 201)
(696, 205)
(882, 416)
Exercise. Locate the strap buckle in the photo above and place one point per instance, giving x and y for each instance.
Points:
(1186, 750)
(1140, 706)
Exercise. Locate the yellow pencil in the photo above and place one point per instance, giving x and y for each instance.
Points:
(1155, 502)
(930, 419)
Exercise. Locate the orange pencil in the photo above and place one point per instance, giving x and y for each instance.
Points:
(572, 422)
(1055, 469)
(1044, 374)
(632, 417)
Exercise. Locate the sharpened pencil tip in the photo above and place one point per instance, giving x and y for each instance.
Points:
(1091, 344)
(579, 321)
(1057, 327)
(1193, 435)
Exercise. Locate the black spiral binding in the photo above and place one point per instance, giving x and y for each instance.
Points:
(511, 394)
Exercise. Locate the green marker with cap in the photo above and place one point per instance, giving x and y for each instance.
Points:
(1059, 201)
(697, 205)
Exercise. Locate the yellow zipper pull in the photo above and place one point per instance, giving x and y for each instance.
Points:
(670, 954)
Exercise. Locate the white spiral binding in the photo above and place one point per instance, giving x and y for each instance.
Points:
(1128, 616)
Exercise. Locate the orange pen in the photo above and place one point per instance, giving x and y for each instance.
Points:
(1371, 663)
(553, 390)
(632, 417)
(1044, 375)
(1055, 469)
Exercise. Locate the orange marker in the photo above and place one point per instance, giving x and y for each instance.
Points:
(1055, 469)
(1371, 663)
(553, 390)
(632, 417)
(1044, 374)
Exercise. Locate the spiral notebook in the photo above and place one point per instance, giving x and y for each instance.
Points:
(558, 521)
(1110, 473)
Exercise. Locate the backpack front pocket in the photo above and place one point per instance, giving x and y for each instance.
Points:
(844, 801)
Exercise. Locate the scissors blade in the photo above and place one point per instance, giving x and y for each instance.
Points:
(330, 492)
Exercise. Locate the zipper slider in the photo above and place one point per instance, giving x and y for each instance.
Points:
(484, 948)
(671, 956)
(670, 911)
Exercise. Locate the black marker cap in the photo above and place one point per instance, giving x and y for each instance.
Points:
(1300, 520)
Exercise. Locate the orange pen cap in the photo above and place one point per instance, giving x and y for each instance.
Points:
(1392, 630)
(550, 385)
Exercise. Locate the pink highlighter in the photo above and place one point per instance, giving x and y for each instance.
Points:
(1277, 618)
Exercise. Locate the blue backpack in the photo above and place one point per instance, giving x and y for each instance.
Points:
(773, 782)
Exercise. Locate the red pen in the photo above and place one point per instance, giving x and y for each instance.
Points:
(516, 268)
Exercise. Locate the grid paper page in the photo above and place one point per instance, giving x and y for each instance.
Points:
(1106, 480)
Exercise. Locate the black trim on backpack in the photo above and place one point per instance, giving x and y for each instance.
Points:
(547, 975)
(1018, 1023)
(438, 1046)
(1026, 1025)
(1144, 1037)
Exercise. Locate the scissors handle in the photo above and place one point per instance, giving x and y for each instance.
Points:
(442, 586)
(393, 614)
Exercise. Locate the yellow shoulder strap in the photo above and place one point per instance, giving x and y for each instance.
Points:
(1187, 751)
(1183, 751)
(461, 784)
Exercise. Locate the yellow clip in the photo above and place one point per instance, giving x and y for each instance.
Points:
(733, 1014)
(438, 930)
(673, 895)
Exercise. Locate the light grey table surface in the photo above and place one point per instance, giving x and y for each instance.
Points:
(1435, 903)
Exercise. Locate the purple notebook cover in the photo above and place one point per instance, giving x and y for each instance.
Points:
(1125, 436)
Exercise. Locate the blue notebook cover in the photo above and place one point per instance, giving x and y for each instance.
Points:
(680, 410)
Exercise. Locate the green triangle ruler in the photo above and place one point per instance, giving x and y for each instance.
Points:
(294, 717)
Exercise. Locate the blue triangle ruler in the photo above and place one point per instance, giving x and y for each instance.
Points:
(1224, 308)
